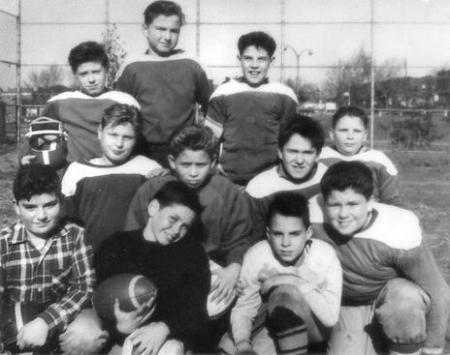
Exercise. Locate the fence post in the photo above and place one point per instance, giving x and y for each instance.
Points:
(2, 123)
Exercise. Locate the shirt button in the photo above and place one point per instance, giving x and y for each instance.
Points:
(40, 289)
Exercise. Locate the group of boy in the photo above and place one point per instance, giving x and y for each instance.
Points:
(310, 255)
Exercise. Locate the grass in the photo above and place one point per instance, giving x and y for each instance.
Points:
(425, 185)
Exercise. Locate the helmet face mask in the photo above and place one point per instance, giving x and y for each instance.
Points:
(48, 142)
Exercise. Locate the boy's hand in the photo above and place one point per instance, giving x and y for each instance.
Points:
(157, 172)
(127, 322)
(27, 159)
(223, 286)
(149, 338)
(33, 334)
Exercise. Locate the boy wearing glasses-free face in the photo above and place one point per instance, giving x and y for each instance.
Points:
(247, 113)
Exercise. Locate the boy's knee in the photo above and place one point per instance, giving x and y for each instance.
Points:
(287, 297)
(401, 310)
(84, 335)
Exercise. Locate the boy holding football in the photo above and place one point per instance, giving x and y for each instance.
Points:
(99, 190)
(45, 261)
(299, 279)
(394, 297)
(348, 133)
(246, 114)
(167, 250)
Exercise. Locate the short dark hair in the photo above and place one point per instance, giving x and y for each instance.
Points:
(345, 175)
(352, 111)
(35, 179)
(177, 193)
(118, 114)
(162, 7)
(194, 137)
(304, 126)
(259, 40)
(290, 204)
(87, 52)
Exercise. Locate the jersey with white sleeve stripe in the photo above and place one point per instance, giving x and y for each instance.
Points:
(250, 119)
(384, 171)
(390, 246)
(263, 187)
(81, 115)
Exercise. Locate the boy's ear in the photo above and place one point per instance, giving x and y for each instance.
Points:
(331, 134)
(99, 131)
(309, 233)
(171, 160)
(16, 207)
(272, 59)
(153, 207)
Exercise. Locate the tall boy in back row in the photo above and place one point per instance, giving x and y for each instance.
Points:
(246, 114)
(167, 82)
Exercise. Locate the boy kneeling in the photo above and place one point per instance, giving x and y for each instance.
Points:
(46, 263)
(294, 279)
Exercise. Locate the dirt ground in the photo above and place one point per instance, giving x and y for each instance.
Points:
(425, 185)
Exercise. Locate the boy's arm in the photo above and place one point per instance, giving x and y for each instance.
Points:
(217, 114)
(137, 215)
(80, 289)
(419, 266)
(289, 107)
(124, 80)
(248, 302)
(202, 89)
(389, 188)
(237, 236)
(258, 210)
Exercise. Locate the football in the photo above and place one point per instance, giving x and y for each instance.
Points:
(131, 290)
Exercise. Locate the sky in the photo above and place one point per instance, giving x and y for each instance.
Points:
(414, 32)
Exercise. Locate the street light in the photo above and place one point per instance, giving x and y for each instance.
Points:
(297, 56)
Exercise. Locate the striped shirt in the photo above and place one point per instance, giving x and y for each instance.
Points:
(60, 274)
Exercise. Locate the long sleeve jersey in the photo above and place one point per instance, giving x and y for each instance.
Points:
(250, 118)
(225, 217)
(323, 294)
(391, 246)
(264, 186)
(167, 88)
(99, 195)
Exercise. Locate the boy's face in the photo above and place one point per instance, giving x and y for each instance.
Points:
(192, 167)
(117, 142)
(349, 135)
(348, 211)
(288, 236)
(91, 77)
(298, 157)
(255, 63)
(169, 224)
(162, 34)
(40, 214)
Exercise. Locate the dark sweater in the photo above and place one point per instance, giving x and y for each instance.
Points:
(180, 271)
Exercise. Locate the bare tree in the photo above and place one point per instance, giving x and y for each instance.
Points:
(115, 51)
(51, 76)
(355, 71)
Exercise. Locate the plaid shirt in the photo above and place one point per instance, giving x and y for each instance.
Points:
(60, 275)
